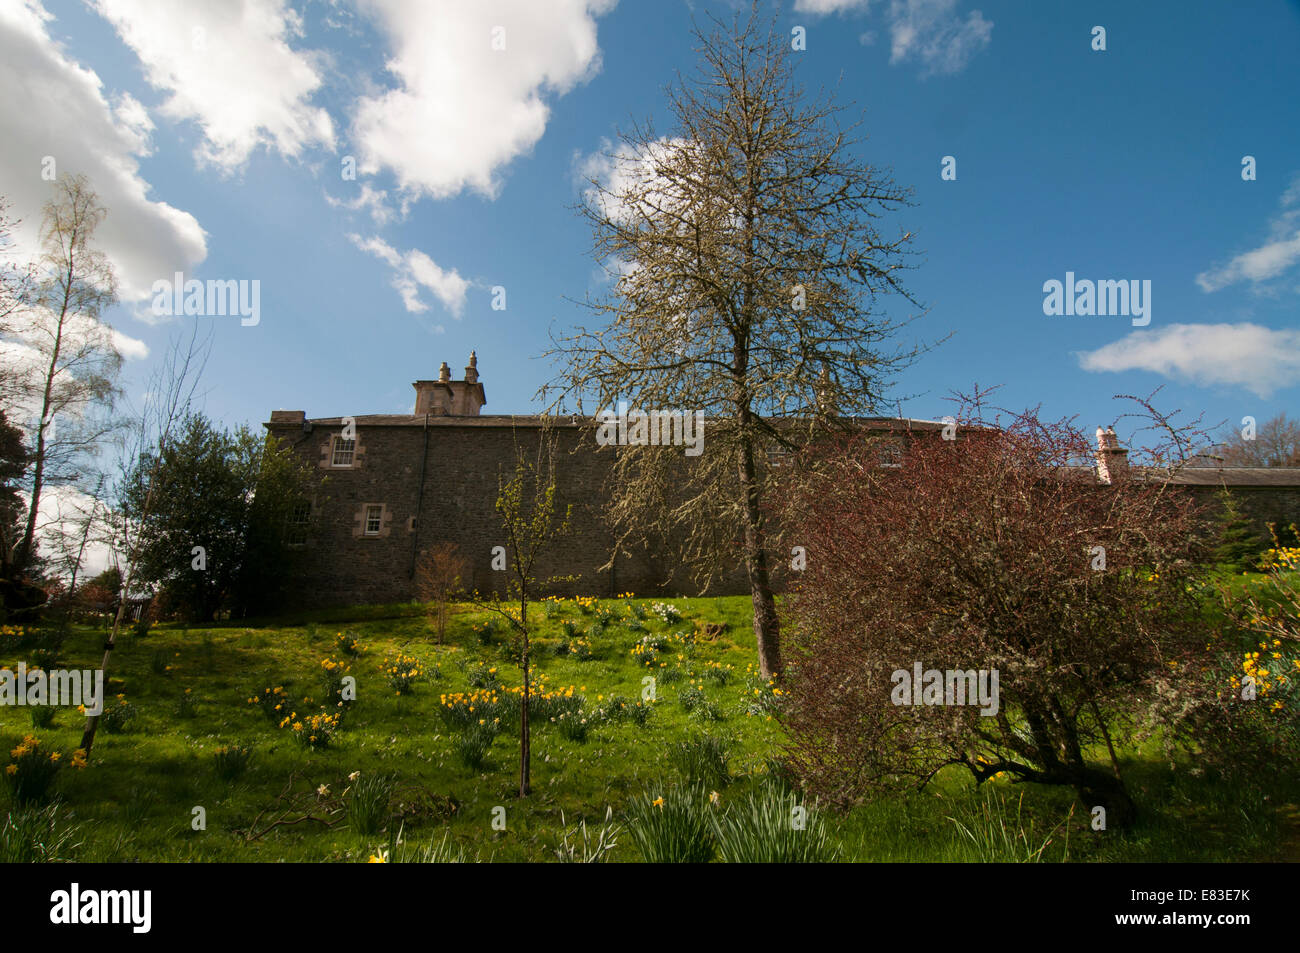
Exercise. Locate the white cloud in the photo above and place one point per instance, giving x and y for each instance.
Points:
(1269, 260)
(623, 183)
(1245, 355)
(227, 65)
(461, 110)
(414, 270)
(931, 32)
(374, 201)
(54, 107)
(825, 7)
(60, 523)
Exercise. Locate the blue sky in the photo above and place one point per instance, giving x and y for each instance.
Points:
(218, 132)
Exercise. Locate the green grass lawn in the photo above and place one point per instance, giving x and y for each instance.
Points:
(190, 689)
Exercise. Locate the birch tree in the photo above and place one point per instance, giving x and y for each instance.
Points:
(65, 358)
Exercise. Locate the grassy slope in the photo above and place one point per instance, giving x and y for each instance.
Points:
(135, 800)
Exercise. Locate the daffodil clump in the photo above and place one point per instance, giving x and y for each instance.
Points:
(1281, 558)
(617, 709)
(333, 671)
(646, 655)
(231, 761)
(669, 614)
(1272, 672)
(403, 671)
(348, 644)
(32, 771)
(118, 717)
(762, 696)
(313, 731)
(717, 673)
(273, 702)
(12, 637)
(578, 648)
(461, 709)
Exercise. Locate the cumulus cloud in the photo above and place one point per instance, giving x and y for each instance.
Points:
(414, 270)
(54, 107)
(227, 65)
(931, 32)
(60, 520)
(1269, 260)
(461, 109)
(624, 183)
(1244, 355)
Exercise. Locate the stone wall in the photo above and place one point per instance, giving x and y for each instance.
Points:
(465, 458)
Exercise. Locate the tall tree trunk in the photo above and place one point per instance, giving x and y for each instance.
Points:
(767, 627)
(38, 475)
(525, 750)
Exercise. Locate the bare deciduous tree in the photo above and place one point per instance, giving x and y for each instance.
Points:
(168, 399)
(66, 357)
(752, 267)
(531, 520)
(438, 578)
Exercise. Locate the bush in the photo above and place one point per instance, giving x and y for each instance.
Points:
(368, 801)
(230, 762)
(43, 715)
(770, 826)
(673, 828)
(702, 760)
(348, 644)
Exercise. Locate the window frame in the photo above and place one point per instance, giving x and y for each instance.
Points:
(336, 449)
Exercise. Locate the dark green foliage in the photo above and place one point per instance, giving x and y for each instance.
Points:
(1238, 540)
(238, 496)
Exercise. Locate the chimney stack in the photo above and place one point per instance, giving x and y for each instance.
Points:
(448, 398)
(1112, 459)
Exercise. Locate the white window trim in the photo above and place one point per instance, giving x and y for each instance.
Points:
(334, 453)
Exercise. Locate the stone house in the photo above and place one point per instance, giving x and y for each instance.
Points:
(399, 484)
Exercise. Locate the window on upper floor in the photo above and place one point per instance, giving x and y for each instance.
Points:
(344, 450)
(374, 519)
